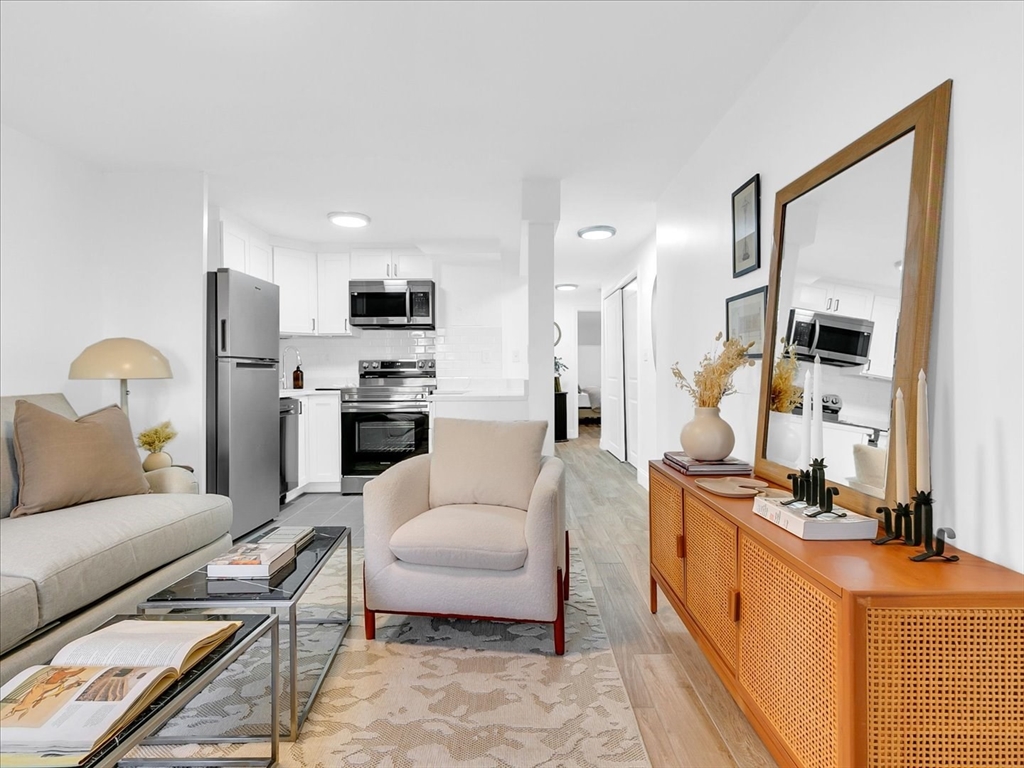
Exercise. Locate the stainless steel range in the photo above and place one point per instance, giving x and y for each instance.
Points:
(385, 419)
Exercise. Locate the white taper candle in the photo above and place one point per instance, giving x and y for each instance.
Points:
(804, 462)
(924, 470)
(817, 420)
(900, 443)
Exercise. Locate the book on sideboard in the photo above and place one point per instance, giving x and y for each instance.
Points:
(255, 560)
(58, 714)
(688, 466)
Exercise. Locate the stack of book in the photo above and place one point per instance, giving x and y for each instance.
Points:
(256, 560)
(298, 535)
(729, 466)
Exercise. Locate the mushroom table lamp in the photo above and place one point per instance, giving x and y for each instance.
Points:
(122, 359)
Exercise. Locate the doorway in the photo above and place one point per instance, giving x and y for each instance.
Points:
(620, 369)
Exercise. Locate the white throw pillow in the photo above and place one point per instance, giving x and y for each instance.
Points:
(485, 462)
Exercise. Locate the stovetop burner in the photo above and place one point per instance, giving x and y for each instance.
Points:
(391, 380)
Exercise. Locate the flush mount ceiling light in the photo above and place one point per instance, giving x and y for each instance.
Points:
(566, 287)
(348, 219)
(600, 232)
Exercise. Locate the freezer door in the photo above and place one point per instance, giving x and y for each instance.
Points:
(248, 446)
(248, 316)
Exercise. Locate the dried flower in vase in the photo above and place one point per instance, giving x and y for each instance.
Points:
(155, 438)
(713, 379)
(786, 395)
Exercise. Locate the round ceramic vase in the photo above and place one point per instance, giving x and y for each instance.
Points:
(708, 437)
(157, 460)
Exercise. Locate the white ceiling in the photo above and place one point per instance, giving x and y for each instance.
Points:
(425, 115)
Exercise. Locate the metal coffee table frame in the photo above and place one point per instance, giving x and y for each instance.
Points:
(278, 607)
(115, 755)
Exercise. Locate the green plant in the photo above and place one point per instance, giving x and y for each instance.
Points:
(560, 366)
(155, 438)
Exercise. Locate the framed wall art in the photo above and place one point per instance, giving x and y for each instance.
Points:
(746, 227)
(744, 318)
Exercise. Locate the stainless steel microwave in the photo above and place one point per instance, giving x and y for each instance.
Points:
(836, 339)
(392, 304)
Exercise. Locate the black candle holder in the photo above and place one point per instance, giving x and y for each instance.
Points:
(939, 549)
(896, 521)
(923, 532)
(801, 481)
(820, 497)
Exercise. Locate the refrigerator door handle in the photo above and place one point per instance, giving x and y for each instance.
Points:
(223, 335)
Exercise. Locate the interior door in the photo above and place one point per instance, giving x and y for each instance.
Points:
(631, 371)
(613, 436)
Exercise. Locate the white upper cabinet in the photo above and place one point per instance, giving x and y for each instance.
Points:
(845, 300)
(260, 260)
(295, 275)
(332, 294)
(885, 312)
(381, 264)
(244, 251)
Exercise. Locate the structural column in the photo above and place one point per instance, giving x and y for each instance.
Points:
(541, 211)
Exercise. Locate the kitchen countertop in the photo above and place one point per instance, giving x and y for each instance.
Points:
(304, 392)
(479, 395)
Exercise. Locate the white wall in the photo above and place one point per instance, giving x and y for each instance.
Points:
(154, 264)
(52, 289)
(842, 72)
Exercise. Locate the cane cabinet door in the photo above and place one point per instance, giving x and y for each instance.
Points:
(788, 662)
(666, 505)
(710, 574)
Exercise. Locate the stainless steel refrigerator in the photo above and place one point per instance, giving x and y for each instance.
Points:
(243, 451)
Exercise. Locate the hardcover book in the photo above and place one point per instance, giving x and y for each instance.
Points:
(824, 528)
(58, 714)
(251, 561)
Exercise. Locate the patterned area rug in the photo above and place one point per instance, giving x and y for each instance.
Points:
(431, 692)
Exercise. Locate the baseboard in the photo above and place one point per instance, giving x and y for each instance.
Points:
(323, 487)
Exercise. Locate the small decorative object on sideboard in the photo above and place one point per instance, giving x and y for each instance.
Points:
(153, 440)
(708, 437)
(559, 368)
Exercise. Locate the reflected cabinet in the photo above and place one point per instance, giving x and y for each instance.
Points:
(839, 652)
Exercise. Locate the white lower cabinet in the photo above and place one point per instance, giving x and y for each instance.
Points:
(323, 439)
(303, 442)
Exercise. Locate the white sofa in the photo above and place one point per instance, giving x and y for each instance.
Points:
(474, 530)
(65, 572)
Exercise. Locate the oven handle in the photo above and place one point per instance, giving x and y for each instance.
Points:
(417, 408)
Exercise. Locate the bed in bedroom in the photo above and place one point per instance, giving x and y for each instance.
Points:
(589, 405)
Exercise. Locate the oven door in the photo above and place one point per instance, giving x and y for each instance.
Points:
(374, 436)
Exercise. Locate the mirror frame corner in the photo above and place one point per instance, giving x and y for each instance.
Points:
(928, 118)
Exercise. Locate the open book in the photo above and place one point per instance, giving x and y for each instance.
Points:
(56, 715)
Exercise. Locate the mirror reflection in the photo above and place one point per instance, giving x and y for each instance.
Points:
(839, 298)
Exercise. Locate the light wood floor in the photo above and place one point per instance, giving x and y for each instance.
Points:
(686, 716)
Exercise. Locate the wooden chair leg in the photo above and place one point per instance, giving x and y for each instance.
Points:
(565, 588)
(559, 627)
(369, 617)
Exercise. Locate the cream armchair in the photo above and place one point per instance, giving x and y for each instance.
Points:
(474, 530)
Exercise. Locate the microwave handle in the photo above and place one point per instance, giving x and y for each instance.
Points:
(817, 333)
(408, 304)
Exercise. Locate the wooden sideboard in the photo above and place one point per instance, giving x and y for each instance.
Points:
(842, 653)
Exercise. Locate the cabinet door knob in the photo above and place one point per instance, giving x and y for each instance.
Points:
(389, 270)
(680, 546)
(837, 305)
(314, 325)
(828, 306)
(734, 604)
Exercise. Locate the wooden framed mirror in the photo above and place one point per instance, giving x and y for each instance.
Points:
(853, 259)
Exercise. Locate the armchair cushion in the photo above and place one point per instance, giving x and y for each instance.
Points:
(485, 462)
(464, 536)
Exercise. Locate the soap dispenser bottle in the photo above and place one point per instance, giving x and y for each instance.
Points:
(297, 378)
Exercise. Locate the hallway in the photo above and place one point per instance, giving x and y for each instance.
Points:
(686, 716)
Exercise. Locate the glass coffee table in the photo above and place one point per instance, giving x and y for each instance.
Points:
(139, 731)
(281, 595)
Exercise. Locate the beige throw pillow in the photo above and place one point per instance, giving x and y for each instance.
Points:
(485, 462)
(63, 462)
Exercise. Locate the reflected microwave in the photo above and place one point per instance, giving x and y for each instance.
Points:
(392, 304)
(836, 339)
